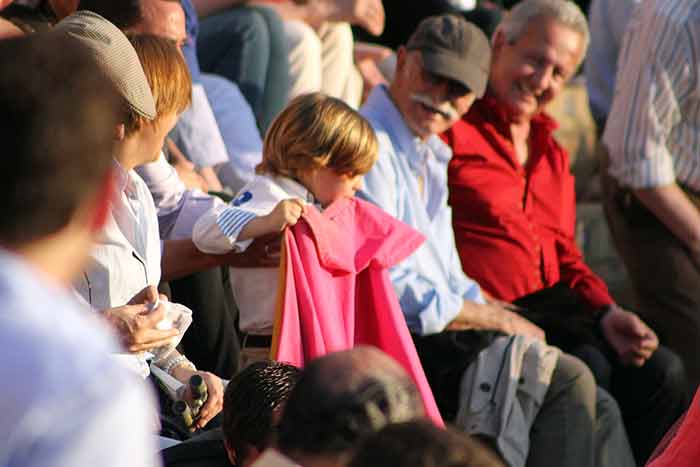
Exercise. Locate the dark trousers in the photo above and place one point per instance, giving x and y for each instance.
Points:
(211, 342)
(651, 397)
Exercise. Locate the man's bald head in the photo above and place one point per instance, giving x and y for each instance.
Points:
(342, 397)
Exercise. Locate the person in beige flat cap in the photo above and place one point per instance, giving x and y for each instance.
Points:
(126, 263)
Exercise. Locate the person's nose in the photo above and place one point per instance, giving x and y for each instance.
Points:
(541, 79)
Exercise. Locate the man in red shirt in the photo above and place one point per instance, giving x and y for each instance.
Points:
(514, 213)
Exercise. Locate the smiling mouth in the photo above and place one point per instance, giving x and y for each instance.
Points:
(525, 93)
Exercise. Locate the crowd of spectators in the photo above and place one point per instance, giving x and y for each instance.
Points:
(192, 187)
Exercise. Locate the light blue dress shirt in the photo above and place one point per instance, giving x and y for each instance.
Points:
(430, 284)
(64, 402)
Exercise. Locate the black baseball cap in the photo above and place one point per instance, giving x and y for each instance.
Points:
(453, 48)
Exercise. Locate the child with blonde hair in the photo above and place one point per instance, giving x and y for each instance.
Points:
(315, 152)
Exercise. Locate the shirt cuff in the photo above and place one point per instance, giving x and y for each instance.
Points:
(644, 173)
(231, 222)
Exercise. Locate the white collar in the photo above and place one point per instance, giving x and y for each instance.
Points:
(295, 188)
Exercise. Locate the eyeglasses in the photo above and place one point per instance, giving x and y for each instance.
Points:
(454, 88)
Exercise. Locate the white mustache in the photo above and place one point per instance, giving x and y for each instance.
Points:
(445, 109)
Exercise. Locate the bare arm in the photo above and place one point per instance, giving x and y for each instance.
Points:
(673, 208)
(181, 257)
(493, 317)
(368, 14)
(8, 30)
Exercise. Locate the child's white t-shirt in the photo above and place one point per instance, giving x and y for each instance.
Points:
(216, 232)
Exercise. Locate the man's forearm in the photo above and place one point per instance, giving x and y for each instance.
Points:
(210, 7)
(475, 316)
(673, 208)
(181, 258)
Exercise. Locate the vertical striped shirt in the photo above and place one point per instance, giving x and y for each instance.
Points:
(653, 131)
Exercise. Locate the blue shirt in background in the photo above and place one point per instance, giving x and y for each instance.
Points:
(430, 284)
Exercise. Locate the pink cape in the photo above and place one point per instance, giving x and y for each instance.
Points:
(336, 292)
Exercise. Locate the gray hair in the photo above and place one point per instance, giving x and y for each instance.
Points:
(566, 12)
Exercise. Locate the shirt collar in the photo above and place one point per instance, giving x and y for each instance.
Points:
(493, 109)
(381, 108)
(294, 188)
(124, 183)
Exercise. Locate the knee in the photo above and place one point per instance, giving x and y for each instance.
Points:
(338, 36)
(302, 40)
(667, 370)
(597, 362)
(248, 25)
(607, 410)
(574, 378)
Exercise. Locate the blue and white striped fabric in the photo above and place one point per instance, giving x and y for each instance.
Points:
(217, 231)
(653, 131)
(232, 220)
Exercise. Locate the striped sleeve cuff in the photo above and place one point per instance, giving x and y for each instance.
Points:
(232, 220)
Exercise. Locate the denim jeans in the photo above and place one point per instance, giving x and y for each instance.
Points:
(246, 45)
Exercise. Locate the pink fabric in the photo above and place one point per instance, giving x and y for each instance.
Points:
(680, 447)
(337, 290)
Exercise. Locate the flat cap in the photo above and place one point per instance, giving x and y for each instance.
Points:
(115, 56)
(453, 48)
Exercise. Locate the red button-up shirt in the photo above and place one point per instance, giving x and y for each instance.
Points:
(514, 224)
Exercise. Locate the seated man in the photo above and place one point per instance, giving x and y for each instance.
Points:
(439, 73)
(128, 256)
(253, 405)
(64, 402)
(514, 205)
(422, 444)
(339, 399)
(320, 42)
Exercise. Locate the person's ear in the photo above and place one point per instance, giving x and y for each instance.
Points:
(120, 132)
(231, 454)
(401, 58)
(497, 42)
(103, 202)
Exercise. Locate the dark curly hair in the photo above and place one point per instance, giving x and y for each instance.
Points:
(251, 402)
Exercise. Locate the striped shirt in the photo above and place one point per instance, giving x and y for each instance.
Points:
(653, 131)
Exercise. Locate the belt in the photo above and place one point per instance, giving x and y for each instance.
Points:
(255, 340)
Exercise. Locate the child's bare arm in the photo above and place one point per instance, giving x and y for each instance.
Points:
(287, 212)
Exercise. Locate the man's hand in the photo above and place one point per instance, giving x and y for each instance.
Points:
(493, 316)
(264, 252)
(185, 169)
(631, 338)
(136, 322)
(368, 14)
(215, 394)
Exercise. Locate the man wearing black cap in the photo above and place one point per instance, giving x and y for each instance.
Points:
(441, 71)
